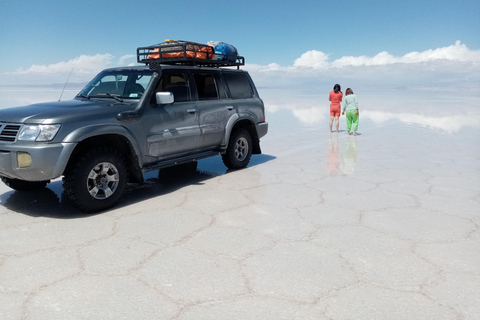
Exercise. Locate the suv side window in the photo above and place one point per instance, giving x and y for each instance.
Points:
(206, 86)
(177, 84)
(238, 85)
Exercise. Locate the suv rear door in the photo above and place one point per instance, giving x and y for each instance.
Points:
(213, 107)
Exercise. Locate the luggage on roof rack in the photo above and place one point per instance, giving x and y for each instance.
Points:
(181, 52)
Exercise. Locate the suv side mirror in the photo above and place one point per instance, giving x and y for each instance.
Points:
(164, 97)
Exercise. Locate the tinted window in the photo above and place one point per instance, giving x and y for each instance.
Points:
(206, 86)
(177, 84)
(238, 85)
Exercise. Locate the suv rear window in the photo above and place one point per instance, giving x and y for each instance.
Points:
(238, 85)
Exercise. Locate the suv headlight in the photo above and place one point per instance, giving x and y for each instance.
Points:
(42, 132)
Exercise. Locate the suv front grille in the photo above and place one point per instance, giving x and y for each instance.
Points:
(9, 132)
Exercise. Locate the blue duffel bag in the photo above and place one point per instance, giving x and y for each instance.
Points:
(224, 52)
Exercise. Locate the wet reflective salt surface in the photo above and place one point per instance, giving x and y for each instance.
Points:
(384, 225)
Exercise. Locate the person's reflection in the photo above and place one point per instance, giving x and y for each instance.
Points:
(332, 163)
(350, 155)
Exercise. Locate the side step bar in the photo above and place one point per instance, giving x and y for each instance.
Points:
(168, 163)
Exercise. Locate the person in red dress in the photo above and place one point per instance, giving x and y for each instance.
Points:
(335, 98)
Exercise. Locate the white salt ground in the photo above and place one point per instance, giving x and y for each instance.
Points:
(385, 225)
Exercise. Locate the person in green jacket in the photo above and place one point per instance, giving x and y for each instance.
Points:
(351, 108)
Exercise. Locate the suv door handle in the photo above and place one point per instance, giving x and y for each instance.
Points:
(191, 110)
(230, 108)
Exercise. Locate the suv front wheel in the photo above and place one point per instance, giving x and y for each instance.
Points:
(97, 181)
(239, 149)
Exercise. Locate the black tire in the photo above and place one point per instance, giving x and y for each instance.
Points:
(97, 181)
(22, 185)
(239, 149)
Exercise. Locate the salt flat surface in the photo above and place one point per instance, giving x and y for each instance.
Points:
(385, 225)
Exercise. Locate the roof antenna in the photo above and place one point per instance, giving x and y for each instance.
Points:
(65, 84)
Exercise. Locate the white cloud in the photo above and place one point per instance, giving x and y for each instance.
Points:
(81, 69)
(457, 52)
(307, 66)
(450, 123)
(127, 60)
(314, 59)
(383, 58)
(309, 115)
(444, 71)
(83, 64)
(438, 112)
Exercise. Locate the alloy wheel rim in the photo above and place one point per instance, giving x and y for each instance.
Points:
(103, 180)
(241, 149)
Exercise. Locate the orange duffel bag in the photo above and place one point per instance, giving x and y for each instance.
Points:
(192, 50)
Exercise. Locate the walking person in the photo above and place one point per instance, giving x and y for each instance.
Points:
(351, 109)
(335, 98)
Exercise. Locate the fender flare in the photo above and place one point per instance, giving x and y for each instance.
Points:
(91, 131)
(228, 128)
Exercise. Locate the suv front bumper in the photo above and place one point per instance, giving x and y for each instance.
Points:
(48, 161)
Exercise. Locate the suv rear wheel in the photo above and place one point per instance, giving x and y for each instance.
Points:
(97, 181)
(239, 149)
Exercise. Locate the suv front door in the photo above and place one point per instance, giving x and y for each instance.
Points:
(172, 129)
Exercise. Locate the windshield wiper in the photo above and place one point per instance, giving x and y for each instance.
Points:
(114, 96)
(83, 96)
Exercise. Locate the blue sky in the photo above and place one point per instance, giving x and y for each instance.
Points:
(51, 35)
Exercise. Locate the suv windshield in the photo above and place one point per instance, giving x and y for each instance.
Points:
(117, 84)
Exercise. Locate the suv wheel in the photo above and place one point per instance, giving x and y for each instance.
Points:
(97, 181)
(239, 149)
(22, 185)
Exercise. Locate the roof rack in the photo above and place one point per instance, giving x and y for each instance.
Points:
(179, 52)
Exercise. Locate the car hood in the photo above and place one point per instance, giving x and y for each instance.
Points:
(61, 111)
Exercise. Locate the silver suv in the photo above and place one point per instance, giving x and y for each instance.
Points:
(128, 121)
